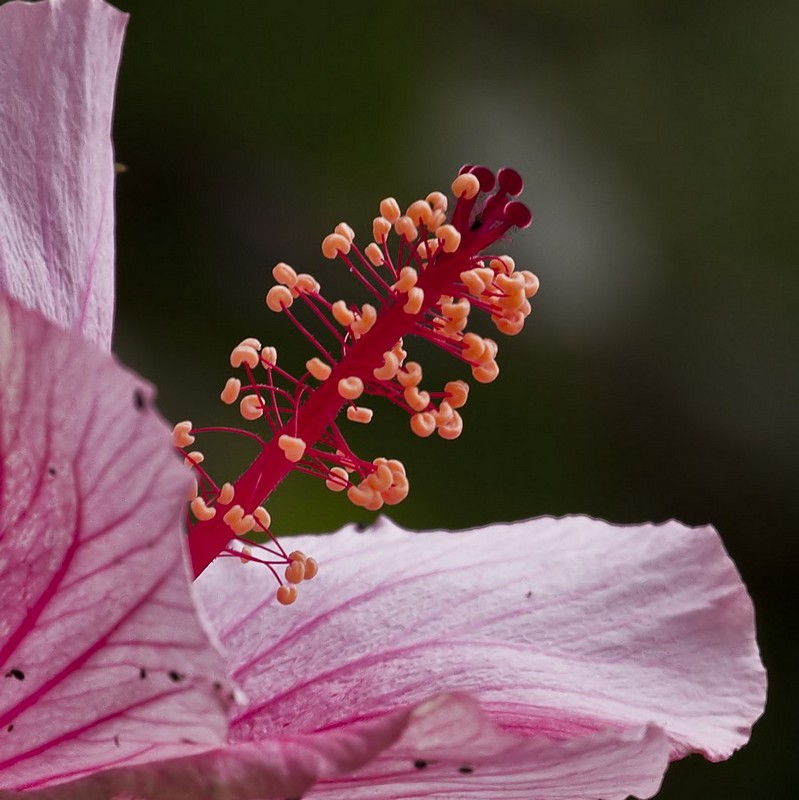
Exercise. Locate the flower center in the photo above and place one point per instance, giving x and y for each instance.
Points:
(436, 275)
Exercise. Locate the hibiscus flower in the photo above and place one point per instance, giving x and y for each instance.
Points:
(550, 659)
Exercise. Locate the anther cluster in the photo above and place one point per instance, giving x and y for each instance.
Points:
(425, 270)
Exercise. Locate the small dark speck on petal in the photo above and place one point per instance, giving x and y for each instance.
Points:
(420, 763)
(361, 527)
(466, 770)
(217, 686)
(138, 399)
(10, 727)
(529, 595)
(16, 673)
(174, 676)
(51, 471)
(116, 739)
(142, 673)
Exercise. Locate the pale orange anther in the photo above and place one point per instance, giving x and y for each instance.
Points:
(407, 280)
(415, 300)
(306, 284)
(201, 511)
(293, 447)
(419, 212)
(297, 555)
(512, 302)
(444, 413)
(345, 230)
(311, 569)
(246, 555)
(350, 388)
(389, 368)
(487, 275)
(475, 347)
(390, 209)
(244, 354)
(250, 341)
(417, 400)
(396, 466)
(486, 373)
(466, 186)
(268, 357)
(278, 298)
(456, 311)
(284, 274)
(238, 521)
(251, 407)
(509, 325)
(286, 595)
(338, 479)
(194, 458)
(510, 283)
(381, 227)
(226, 494)
(492, 348)
(364, 322)
(437, 220)
(449, 236)
(531, 283)
(473, 282)
(361, 495)
(295, 572)
(453, 428)
(410, 375)
(374, 254)
(526, 308)
(359, 414)
(437, 200)
(263, 518)
(404, 227)
(342, 314)
(398, 351)
(457, 393)
(335, 243)
(194, 490)
(397, 492)
(381, 478)
(231, 391)
(502, 264)
(181, 434)
(423, 424)
(318, 368)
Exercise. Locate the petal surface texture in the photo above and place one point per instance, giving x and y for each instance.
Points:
(103, 660)
(58, 66)
(592, 654)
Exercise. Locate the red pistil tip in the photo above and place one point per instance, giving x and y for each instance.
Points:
(427, 271)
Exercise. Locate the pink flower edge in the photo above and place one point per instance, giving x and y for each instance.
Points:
(104, 659)
(56, 160)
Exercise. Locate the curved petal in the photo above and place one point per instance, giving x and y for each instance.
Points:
(58, 65)
(102, 658)
(277, 768)
(560, 628)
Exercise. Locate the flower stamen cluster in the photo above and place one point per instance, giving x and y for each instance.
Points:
(426, 285)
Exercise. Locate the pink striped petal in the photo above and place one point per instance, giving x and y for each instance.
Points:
(58, 65)
(103, 661)
(563, 630)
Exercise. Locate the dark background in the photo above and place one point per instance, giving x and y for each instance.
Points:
(659, 141)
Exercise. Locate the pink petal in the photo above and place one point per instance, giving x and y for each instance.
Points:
(58, 65)
(278, 768)
(560, 628)
(103, 661)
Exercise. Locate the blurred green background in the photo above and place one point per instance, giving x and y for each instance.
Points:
(659, 141)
